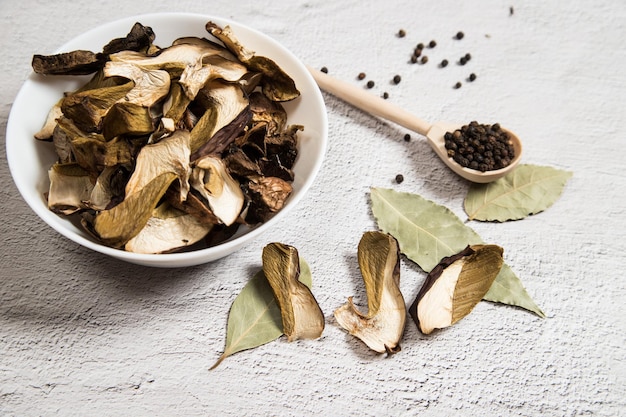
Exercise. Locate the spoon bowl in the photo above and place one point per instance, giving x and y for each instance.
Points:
(434, 133)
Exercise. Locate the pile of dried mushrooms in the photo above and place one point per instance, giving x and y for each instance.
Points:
(167, 147)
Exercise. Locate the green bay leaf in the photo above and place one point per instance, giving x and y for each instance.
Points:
(254, 318)
(529, 189)
(425, 231)
(428, 232)
(508, 289)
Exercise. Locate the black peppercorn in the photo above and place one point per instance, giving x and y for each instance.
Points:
(413, 59)
(432, 44)
(457, 85)
(370, 84)
(401, 33)
(361, 76)
(424, 59)
(324, 70)
(444, 63)
(480, 147)
(420, 46)
(407, 137)
(399, 178)
(463, 61)
(397, 79)
(385, 95)
(459, 35)
(472, 76)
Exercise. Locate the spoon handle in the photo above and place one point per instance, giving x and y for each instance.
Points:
(369, 103)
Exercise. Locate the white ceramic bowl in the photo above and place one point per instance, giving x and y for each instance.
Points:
(29, 159)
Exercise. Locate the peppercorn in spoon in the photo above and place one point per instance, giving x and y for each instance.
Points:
(438, 133)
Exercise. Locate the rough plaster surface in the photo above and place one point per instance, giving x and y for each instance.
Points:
(81, 334)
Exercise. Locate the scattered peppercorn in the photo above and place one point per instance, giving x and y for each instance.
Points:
(417, 53)
(401, 33)
(324, 70)
(479, 146)
(420, 46)
(468, 56)
(370, 84)
(432, 44)
(399, 178)
(444, 63)
(472, 76)
(424, 59)
(459, 35)
(397, 79)
(463, 60)
(407, 137)
(457, 85)
(361, 76)
(414, 59)
(385, 95)
(511, 11)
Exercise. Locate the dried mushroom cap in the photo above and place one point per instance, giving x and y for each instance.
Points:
(150, 85)
(108, 190)
(87, 108)
(168, 229)
(301, 314)
(211, 180)
(271, 193)
(70, 187)
(47, 130)
(78, 62)
(270, 112)
(168, 155)
(91, 150)
(383, 326)
(226, 113)
(121, 223)
(192, 63)
(139, 38)
(454, 287)
(276, 84)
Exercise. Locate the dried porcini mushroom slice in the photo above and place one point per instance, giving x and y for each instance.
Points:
(268, 195)
(168, 155)
(211, 180)
(226, 114)
(301, 314)
(139, 38)
(383, 326)
(70, 187)
(276, 84)
(118, 225)
(168, 229)
(78, 62)
(454, 287)
(87, 108)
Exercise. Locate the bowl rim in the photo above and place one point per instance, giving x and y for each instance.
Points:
(176, 259)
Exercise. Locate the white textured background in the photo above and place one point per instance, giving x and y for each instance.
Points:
(81, 334)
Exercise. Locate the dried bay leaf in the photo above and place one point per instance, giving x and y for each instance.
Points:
(428, 232)
(528, 190)
(508, 289)
(254, 318)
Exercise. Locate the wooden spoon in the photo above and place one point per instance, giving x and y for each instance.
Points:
(434, 133)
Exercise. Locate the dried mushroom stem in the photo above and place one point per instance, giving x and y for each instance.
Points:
(454, 287)
(301, 314)
(383, 326)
